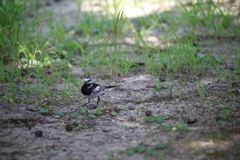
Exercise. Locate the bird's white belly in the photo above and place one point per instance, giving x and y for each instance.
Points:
(95, 94)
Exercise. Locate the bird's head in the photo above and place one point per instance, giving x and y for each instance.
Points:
(87, 80)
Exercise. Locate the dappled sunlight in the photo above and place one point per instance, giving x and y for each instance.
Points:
(138, 78)
(209, 144)
(132, 9)
(130, 124)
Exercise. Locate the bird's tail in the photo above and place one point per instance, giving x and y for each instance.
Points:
(110, 87)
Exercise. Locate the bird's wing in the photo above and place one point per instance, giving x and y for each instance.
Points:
(97, 87)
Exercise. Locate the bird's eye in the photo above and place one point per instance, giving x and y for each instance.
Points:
(89, 81)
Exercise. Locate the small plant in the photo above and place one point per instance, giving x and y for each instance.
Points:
(167, 128)
(79, 118)
(154, 118)
(100, 111)
(47, 109)
(110, 156)
(97, 112)
(131, 150)
(49, 153)
(74, 114)
(114, 113)
(202, 91)
(79, 127)
(92, 116)
(158, 119)
(140, 100)
(83, 109)
(9, 99)
(171, 89)
(142, 149)
(226, 113)
(167, 117)
(123, 107)
(158, 85)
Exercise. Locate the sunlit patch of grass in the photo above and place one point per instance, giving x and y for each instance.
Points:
(213, 16)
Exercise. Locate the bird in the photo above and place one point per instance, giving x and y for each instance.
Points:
(93, 90)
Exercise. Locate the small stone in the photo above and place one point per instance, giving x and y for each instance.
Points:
(190, 120)
(230, 66)
(115, 109)
(38, 133)
(235, 84)
(131, 107)
(178, 137)
(68, 127)
(106, 130)
(75, 124)
(131, 118)
(148, 113)
(210, 151)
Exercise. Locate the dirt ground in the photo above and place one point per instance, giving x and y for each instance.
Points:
(203, 139)
(190, 126)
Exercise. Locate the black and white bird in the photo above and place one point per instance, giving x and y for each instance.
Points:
(93, 90)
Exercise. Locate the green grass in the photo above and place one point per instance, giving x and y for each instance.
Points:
(99, 44)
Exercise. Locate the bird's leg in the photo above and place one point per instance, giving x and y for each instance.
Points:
(97, 103)
(98, 100)
(87, 102)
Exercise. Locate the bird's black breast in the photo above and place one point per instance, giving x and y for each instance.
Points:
(85, 90)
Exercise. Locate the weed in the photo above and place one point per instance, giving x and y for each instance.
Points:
(167, 117)
(92, 116)
(131, 150)
(114, 113)
(158, 84)
(47, 109)
(226, 112)
(110, 156)
(83, 109)
(168, 128)
(116, 52)
(154, 118)
(178, 127)
(140, 149)
(49, 153)
(74, 114)
(123, 107)
(140, 100)
(210, 15)
(79, 127)
(202, 91)
(158, 119)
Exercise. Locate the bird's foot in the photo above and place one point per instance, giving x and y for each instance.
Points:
(93, 107)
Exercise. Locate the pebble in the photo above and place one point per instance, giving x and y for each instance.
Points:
(68, 127)
(106, 130)
(148, 113)
(38, 133)
(131, 107)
